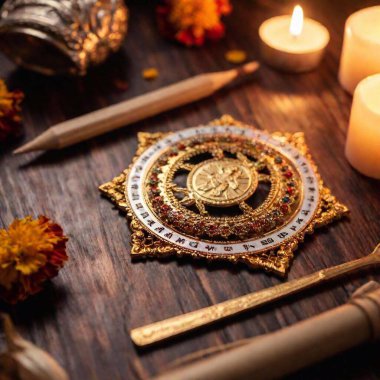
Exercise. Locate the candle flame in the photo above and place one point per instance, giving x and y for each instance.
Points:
(296, 22)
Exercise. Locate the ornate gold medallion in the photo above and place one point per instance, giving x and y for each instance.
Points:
(223, 191)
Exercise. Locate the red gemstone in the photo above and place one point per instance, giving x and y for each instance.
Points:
(290, 190)
(165, 208)
(212, 229)
(181, 146)
(254, 226)
(288, 174)
(284, 209)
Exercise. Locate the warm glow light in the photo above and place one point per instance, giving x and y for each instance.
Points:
(296, 23)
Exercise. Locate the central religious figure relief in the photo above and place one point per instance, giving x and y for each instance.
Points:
(222, 182)
(218, 180)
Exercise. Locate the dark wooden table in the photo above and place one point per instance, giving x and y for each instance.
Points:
(84, 316)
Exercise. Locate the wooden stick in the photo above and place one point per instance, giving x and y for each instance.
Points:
(162, 330)
(107, 119)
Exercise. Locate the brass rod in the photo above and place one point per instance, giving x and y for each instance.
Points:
(168, 328)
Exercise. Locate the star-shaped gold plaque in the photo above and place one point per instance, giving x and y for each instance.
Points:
(224, 191)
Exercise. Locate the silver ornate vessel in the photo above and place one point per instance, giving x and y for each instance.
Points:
(61, 36)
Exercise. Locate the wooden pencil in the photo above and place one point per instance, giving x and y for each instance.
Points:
(129, 111)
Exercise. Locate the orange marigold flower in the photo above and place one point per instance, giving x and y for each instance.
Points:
(31, 252)
(191, 22)
(9, 112)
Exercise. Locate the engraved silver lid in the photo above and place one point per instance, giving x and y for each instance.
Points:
(61, 36)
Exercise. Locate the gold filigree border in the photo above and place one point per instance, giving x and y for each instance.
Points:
(276, 260)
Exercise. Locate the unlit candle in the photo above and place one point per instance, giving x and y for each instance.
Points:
(363, 140)
(361, 48)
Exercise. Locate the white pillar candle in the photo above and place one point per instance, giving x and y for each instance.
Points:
(363, 140)
(292, 43)
(361, 48)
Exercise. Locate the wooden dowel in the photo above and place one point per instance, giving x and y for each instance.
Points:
(130, 111)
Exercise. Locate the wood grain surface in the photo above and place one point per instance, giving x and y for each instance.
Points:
(84, 315)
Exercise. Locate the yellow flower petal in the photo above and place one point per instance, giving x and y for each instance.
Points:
(236, 56)
(150, 73)
(28, 264)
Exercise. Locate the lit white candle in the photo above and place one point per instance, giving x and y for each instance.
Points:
(363, 140)
(292, 43)
(361, 48)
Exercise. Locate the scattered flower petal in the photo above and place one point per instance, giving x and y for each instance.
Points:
(236, 56)
(150, 73)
